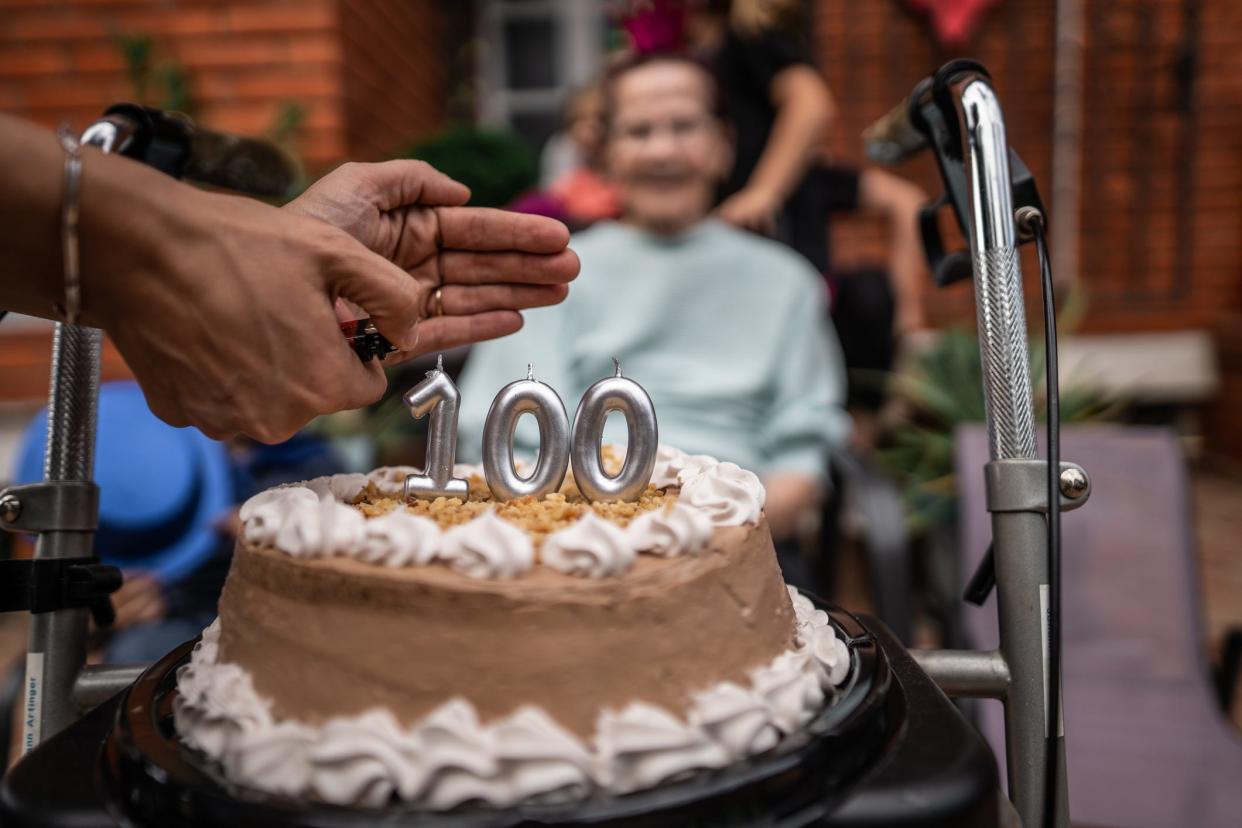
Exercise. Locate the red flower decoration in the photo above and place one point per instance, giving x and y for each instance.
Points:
(656, 25)
(953, 21)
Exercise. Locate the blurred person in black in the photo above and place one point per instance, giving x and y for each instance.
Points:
(780, 108)
(782, 183)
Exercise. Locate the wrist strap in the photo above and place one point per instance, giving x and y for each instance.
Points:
(69, 227)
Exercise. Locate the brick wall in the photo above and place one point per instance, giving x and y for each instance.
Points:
(369, 74)
(342, 61)
(1162, 169)
(395, 72)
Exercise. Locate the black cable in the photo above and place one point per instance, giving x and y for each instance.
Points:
(1053, 713)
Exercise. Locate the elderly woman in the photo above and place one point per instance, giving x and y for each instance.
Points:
(726, 330)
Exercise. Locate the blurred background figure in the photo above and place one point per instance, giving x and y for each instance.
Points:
(727, 331)
(783, 183)
(570, 173)
(587, 194)
(780, 108)
(168, 501)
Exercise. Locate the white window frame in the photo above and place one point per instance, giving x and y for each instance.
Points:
(579, 26)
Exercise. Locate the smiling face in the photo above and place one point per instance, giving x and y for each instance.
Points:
(666, 150)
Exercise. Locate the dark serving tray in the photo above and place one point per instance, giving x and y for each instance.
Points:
(888, 749)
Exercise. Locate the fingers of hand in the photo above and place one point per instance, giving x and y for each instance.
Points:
(466, 300)
(342, 383)
(484, 228)
(390, 184)
(447, 332)
(368, 387)
(388, 294)
(139, 600)
(404, 182)
(322, 376)
(475, 268)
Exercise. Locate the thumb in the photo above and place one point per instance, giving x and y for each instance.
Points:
(404, 182)
(389, 295)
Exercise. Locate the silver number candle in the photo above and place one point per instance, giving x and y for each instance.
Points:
(615, 393)
(439, 397)
(528, 396)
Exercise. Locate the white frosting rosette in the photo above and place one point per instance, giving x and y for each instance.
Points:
(316, 519)
(728, 494)
(399, 538)
(673, 466)
(591, 546)
(680, 530)
(488, 547)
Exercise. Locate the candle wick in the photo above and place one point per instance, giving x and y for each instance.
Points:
(616, 364)
(530, 371)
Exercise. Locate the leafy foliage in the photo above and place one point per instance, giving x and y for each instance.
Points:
(942, 388)
(496, 165)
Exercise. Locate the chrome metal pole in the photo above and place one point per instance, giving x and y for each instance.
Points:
(998, 274)
(1019, 537)
(56, 649)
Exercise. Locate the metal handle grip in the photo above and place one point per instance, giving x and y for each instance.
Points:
(997, 272)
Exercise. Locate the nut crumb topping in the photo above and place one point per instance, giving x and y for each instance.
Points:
(538, 518)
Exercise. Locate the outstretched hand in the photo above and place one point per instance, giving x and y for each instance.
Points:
(227, 310)
(486, 264)
(750, 209)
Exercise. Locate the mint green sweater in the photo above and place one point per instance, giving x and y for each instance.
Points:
(727, 332)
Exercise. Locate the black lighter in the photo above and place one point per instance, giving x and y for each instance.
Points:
(366, 341)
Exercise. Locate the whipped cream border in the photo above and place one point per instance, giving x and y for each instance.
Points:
(450, 757)
(316, 519)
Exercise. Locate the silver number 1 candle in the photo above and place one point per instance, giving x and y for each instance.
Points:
(615, 393)
(439, 397)
(528, 396)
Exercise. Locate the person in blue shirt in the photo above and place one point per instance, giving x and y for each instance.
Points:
(167, 501)
(727, 331)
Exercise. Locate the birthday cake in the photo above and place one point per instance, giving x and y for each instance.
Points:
(455, 651)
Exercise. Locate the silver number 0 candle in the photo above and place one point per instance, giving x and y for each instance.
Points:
(615, 393)
(439, 397)
(528, 396)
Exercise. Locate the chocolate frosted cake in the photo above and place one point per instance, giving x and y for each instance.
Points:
(447, 652)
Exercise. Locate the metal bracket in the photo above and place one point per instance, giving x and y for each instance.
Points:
(99, 682)
(1018, 485)
(966, 674)
(60, 506)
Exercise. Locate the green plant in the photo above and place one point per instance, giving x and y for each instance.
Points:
(496, 165)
